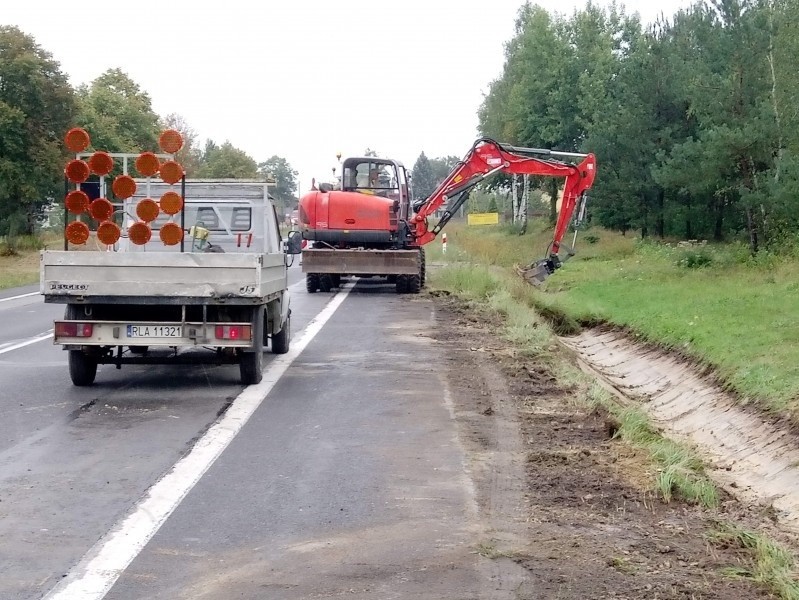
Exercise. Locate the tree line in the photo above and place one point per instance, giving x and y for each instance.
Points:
(38, 106)
(693, 118)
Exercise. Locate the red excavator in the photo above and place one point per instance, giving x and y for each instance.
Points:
(368, 225)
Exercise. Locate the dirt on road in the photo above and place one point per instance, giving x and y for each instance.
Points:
(569, 510)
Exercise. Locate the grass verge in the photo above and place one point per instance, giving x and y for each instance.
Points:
(772, 565)
(18, 270)
(714, 304)
(680, 473)
(19, 258)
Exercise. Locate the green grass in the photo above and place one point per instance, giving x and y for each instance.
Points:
(19, 258)
(680, 472)
(18, 270)
(714, 303)
(773, 565)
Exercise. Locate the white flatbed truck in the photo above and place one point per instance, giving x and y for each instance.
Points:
(223, 290)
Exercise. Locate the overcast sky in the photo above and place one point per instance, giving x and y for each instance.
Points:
(303, 79)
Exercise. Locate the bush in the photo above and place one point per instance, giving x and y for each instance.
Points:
(695, 258)
(591, 238)
(6, 249)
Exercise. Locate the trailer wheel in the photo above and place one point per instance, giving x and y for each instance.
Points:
(336, 280)
(251, 364)
(312, 282)
(82, 368)
(282, 339)
(325, 283)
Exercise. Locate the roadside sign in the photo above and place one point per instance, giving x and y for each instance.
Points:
(483, 219)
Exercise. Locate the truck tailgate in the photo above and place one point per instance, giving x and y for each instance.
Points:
(70, 274)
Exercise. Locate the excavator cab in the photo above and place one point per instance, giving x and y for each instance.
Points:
(378, 177)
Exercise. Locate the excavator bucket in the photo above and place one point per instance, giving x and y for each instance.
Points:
(536, 273)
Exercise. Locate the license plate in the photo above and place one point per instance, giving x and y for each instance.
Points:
(154, 331)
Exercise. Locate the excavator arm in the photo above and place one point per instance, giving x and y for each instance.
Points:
(488, 157)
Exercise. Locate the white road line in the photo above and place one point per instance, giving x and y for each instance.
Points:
(98, 570)
(18, 345)
(20, 296)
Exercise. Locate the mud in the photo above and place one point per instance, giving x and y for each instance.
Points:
(563, 500)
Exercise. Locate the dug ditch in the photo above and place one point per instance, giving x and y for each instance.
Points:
(566, 510)
(753, 458)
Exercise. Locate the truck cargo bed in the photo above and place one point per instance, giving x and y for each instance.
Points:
(75, 276)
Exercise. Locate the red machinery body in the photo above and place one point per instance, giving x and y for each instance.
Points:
(365, 212)
(338, 216)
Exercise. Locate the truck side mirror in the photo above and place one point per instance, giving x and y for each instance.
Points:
(293, 243)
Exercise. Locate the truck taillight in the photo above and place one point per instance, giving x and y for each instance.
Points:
(73, 329)
(233, 332)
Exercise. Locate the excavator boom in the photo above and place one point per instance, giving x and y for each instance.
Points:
(487, 157)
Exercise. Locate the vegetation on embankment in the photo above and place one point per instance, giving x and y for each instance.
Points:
(19, 259)
(649, 289)
(713, 303)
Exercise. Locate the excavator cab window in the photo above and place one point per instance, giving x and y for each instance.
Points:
(375, 178)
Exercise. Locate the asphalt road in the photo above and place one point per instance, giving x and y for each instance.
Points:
(347, 478)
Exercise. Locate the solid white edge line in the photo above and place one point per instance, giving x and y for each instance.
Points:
(104, 563)
(19, 345)
(20, 296)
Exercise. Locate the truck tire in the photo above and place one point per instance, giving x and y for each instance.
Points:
(414, 284)
(336, 280)
(402, 284)
(82, 368)
(325, 283)
(312, 282)
(282, 339)
(251, 364)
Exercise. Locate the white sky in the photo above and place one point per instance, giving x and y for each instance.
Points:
(303, 79)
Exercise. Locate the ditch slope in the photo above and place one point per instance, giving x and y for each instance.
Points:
(754, 458)
(567, 510)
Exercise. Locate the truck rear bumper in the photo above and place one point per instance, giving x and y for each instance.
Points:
(361, 262)
(163, 334)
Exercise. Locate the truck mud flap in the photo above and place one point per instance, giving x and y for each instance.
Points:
(361, 262)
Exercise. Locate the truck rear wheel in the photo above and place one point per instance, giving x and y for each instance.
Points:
(251, 364)
(325, 283)
(82, 368)
(282, 339)
(312, 282)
